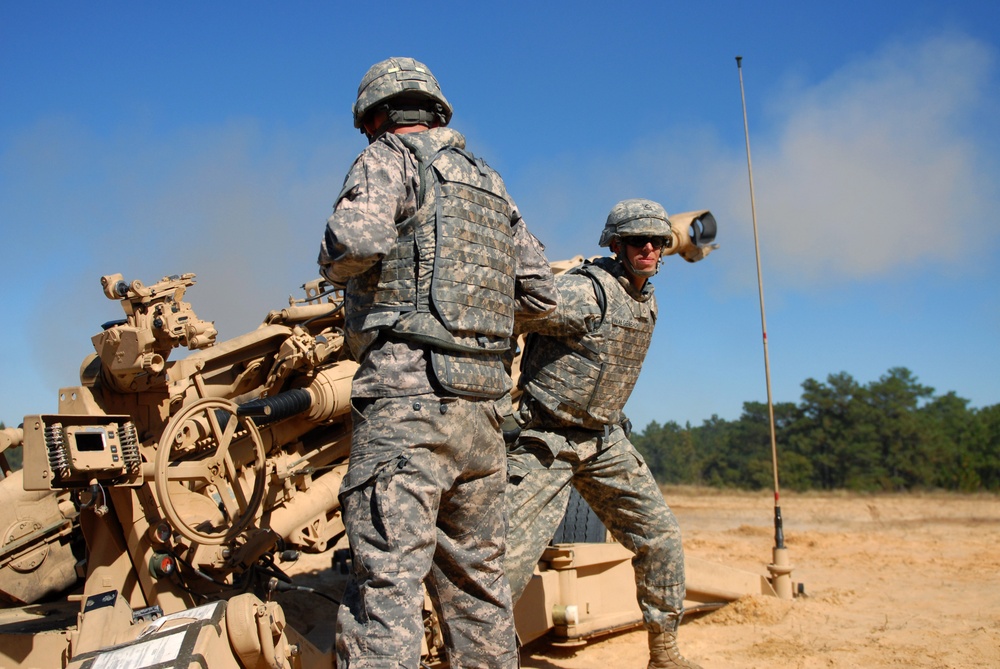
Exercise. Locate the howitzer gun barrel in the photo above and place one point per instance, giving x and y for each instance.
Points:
(694, 235)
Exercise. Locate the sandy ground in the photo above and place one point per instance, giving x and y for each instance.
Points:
(891, 581)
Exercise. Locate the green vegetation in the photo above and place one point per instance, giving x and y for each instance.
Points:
(892, 434)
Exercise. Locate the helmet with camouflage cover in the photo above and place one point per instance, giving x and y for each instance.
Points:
(635, 218)
(402, 79)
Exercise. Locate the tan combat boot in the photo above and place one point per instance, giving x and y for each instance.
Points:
(664, 654)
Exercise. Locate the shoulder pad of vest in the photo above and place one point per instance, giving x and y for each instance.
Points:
(426, 145)
(420, 144)
(589, 269)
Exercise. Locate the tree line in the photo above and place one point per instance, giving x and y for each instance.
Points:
(889, 435)
(893, 434)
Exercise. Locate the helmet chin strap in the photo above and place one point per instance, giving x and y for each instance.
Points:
(646, 273)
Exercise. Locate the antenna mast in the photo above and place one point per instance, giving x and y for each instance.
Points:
(781, 570)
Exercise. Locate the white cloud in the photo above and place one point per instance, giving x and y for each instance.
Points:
(883, 165)
(875, 168)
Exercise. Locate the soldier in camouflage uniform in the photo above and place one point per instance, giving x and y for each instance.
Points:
(437, 263)
(578, 369)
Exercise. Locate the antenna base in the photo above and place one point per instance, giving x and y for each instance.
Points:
(781, 573)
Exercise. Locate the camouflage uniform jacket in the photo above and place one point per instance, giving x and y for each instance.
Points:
(380, 192)
(565, 442)
(581, 364)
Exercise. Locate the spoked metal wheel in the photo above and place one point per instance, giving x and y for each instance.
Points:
(205, 461)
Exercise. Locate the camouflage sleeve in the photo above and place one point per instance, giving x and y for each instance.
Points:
(362, 229)
(577, 313)
(534, 289)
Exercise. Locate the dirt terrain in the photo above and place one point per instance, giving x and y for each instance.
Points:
(891, 581)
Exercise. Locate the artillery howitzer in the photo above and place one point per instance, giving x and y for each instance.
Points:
(168, 493)
(184, 479)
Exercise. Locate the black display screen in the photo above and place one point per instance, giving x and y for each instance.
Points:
(90, 441)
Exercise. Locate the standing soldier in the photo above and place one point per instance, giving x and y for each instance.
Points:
(437, 264)
(578, 369)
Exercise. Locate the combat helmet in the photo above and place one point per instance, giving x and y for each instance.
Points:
(404, 79)
(636, 218)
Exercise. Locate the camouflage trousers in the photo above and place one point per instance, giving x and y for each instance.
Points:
(614, 479)
(423, 499)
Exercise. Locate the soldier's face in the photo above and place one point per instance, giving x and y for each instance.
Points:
(642, 253)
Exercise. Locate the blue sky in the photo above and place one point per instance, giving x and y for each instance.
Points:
(154, 139)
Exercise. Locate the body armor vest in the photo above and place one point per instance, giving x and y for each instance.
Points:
(586, 381)
(448, 282)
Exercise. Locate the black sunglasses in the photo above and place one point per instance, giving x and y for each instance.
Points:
(639, 242)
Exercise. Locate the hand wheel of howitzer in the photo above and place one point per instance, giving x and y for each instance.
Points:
(205, 461)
